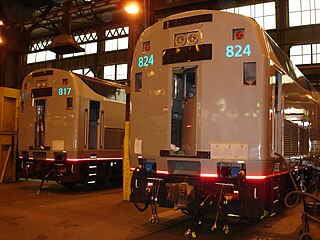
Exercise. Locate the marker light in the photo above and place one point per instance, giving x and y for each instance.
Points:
(238, 34)
(146, 46)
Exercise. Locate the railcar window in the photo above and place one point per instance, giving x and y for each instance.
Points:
(138, 82)
(174, 87)
(249, 73)
(41, 92)
(69, 103)
(187, 21)
(278, 91)
(190, 85)
(187, 54)
(42, 73)
(86, 113)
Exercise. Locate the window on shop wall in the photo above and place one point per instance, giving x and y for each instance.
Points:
(121, 71)
(115, 72)
(84, 71)
(305, 54)
(304, 12)
(37, 54)
(88, 42)
(117, 39)
(263, 13)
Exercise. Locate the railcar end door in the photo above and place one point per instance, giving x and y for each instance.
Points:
(39, 131)
(184, 109)
(93, 124)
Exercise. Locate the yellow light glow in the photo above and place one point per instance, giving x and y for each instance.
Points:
(1, 22)
(132, 8)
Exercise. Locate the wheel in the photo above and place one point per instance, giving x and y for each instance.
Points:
(305, 236)
(291, 200)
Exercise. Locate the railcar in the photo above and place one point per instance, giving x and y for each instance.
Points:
(218, 114)
(71, 127)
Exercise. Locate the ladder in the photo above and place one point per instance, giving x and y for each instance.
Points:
(275, 194)
(92, 172)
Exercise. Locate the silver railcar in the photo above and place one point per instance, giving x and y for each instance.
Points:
(71, 127)
(217, 105)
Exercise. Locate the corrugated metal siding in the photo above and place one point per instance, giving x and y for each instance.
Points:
(296, 139)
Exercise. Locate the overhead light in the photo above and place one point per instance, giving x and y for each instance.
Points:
(1, 22)
(132, 8)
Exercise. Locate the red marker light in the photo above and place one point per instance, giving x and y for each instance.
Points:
(238, 34)
(146, 46)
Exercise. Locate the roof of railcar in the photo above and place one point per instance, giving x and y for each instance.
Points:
(290, 69)
(100, 86)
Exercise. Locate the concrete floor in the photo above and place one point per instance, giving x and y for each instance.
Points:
(85, 213)
(61, 213)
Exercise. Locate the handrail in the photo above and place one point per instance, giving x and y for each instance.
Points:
(289, 172)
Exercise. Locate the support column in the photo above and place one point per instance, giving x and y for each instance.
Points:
(135, 30)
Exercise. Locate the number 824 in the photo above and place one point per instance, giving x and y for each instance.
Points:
(237, 51)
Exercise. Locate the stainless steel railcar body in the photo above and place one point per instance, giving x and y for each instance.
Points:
(211, 95)
(72, 120)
